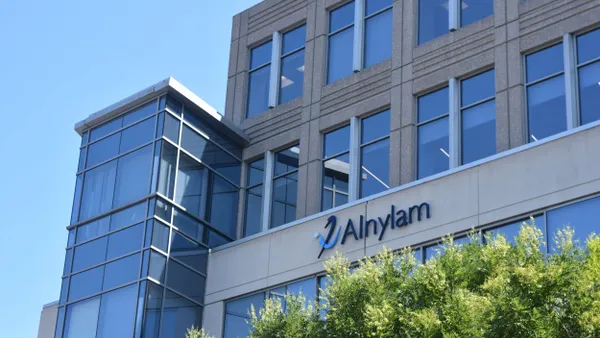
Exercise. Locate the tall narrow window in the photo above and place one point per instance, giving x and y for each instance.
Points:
(285, 187)
(475, 10)
(254, 197)
(292, 64)
(336, 168)
(375, 154)
(478, 117)
(545, 87)
(378, 31)
(341, 42)
(588, 69)
(258, 79)
(433, 133)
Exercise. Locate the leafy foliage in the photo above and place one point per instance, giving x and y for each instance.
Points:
(494, 290)
(196, 333)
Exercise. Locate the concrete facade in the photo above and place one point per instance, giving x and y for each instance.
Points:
(48, 320)
(520, 180)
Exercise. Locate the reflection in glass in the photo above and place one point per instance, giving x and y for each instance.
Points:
(189, 252)
(292, 77)
(336, 173)
(546, 108)
(433, 19)
(375, 168)
(285, 191)
(188, 225)
(433, 105)
(587, 46)
(185, 281)
(378, 38)
(106, 129)
(253, 217)
(475, 10)
(580, 216)
(179, 314)
(137, 135)
(86, 283)
(103, 150)
(545, 62)
(258, 91)
(372, 6)
(157, 266)
(125, 241)
(223, 203)
(82, 319)
(336, 142)
(89, 254)
(478, 88)
(287, 160)
(375, 127)
(433, 148)
(133, 176)
(140, 113)
(589, 92)
(260, 55)
(478, 132)
(122, 271)
(192, 183)
(341, 17)
(92, 230)
(117, 313)
(129, 216)
(293, 39)
(153, 305)
(339, 61)
(166, 170)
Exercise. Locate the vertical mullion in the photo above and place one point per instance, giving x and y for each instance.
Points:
(454, 15)
(268, 189)
(570, 83)
(359, 31)
(275, 70)
(353, 184)
(454, 123)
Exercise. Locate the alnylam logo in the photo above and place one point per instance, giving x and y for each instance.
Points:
(395, 219)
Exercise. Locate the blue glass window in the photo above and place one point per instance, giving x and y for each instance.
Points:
(86, 283)
(287, 160)
(129, 216)
(292, 64)
(223, 205)
(82, 319)
(137, 135)
(133, 176)
(159, 236)
(580, 216)
(254, 193)
(125, 241)
(259, 76)
(339, 61)
(106, 129)
(285, 190)
(336, 142)
(185, 281)
(179, 314)
(375, 154)
(191, 185)
(76, 199)
(293, 40)
(98, 188)
(122, 271)
(478, 117)
(81, 163)
(433, 19)
(378, 33)
(588, 59)
(308, 288)
(140, 113)
(439, 249)
(433, 153)
(373, 6)
(103, 150)
(166, 170)
(475, 10)
(153, 305)
(188, 226)
(89, 254)
(157, 267)
(336, 172)
(189, 252)
(375, 127)
(93, 229)
(510, 231)
(117, 313)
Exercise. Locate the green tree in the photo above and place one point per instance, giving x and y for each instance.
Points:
(494, 290)
(196, 333)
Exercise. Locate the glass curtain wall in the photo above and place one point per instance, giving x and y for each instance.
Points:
(153, 194)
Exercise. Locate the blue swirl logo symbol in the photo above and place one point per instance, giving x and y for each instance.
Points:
(329, 242)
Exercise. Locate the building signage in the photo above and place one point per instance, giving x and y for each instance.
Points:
(378, 227)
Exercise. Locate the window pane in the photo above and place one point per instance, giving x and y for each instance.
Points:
(477, 88)
(375, 168)
(374, 127)
(121, 272)
(133, 176)
(162, 209)
(98, 188)
(287, 160)
(68, 261)
(589, 92)
(580, 216)
(236, 327)
(157, 266)
(223, 203)
(479, 132)
(336, 141)
(260, 55)
(545, 62)
(546, 106)
(433, 105)
(190, 185)
(308, 288)
(588, 47)
(255, 172)
(82, 319)
(510, 231)
(166, 170)
(178, 316)
(241, 307)
(433, 148)
(153, 306)
(139, 113)
(189, 252)
(93, 230)
(373, 6)
(160, 236)
(339, 62)
(475, 10)
(341, 17)
(173, 105)
(211, 155)
(336, 173)
(125, 241)
(137, 135)
(81, 163)
(293, 39)
(433, 19)
(103, 150)
(292, 77)
(214, 239)
(327, 200)
(117, 313)
(86, 283)
(285, 190)
(258, 91)
(219, 138)
(378, 38)
(89, 254)
(64, 289)
(76, 199)
(129, 216)
(84, 138)
(253, 215)
(171, 128)
(188, 226)
(105, 129)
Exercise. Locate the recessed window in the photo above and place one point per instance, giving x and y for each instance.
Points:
(588, 71)
(255, 172)
(375, 154)
(336, 168)
(258, 79)
(285, 187)
(433, 143)
(291, 79)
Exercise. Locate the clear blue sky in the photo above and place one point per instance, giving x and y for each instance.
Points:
(59, 62)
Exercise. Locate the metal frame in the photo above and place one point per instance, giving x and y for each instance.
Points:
(334, 156)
